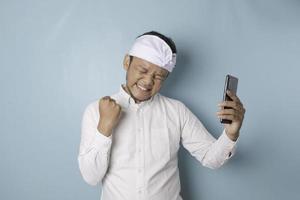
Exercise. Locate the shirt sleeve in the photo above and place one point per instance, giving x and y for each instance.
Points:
(94, 151)
(201, 144)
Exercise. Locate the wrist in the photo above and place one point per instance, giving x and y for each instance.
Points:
(103, 130)
(232, 137)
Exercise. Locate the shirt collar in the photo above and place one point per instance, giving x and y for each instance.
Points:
(129, 101)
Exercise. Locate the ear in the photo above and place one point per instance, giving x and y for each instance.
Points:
(126, 62)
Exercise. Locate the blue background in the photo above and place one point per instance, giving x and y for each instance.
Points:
(58, 56)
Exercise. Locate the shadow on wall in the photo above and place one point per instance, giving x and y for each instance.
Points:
(187, 186)
(179, 73)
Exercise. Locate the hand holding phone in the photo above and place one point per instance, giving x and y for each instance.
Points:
(231, 84)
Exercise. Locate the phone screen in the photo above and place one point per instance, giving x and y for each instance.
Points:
(231, 84)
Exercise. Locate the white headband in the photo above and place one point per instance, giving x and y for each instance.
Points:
(154, 50)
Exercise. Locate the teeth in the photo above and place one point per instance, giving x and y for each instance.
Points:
(142, 88)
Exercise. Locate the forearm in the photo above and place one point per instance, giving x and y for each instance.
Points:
(219, 152)
(94, 161)
(93, 166)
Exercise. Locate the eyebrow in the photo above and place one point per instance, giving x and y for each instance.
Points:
(141, 66)
(161, 74)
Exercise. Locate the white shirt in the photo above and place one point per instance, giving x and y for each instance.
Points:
(139, 160)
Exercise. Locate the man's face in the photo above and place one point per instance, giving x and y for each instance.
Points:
(144, 79)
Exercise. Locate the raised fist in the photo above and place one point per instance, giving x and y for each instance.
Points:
(110, 113)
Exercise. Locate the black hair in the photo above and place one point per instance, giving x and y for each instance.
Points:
(168, 40)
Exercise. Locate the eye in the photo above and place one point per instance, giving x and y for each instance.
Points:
(141, 70)
(159, 77)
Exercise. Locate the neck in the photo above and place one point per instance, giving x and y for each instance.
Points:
(129, 92)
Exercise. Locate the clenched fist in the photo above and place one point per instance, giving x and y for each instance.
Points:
(110, 113)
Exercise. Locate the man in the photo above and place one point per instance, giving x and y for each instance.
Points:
(130, 140)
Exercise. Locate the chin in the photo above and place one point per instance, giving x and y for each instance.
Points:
(142, 99)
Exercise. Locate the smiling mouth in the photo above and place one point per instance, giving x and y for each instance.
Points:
(142, 88)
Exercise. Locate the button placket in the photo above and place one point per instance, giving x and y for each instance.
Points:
(139, 145)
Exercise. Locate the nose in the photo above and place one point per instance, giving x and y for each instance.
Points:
(148, 81)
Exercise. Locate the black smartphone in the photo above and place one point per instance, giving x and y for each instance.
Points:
(231, 84)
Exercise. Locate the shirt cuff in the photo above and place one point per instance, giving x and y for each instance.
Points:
(226, 139)
(102, 143)
(227, 145)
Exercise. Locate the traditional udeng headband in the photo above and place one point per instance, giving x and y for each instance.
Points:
(154, 50)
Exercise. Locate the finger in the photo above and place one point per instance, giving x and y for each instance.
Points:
(112, 100)
(233, 117)
(237, 116)
(229, 117)
(119, 107)
(106, 97)
(114, 104)
(226, 112)
(233, 96)
(231, 104)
